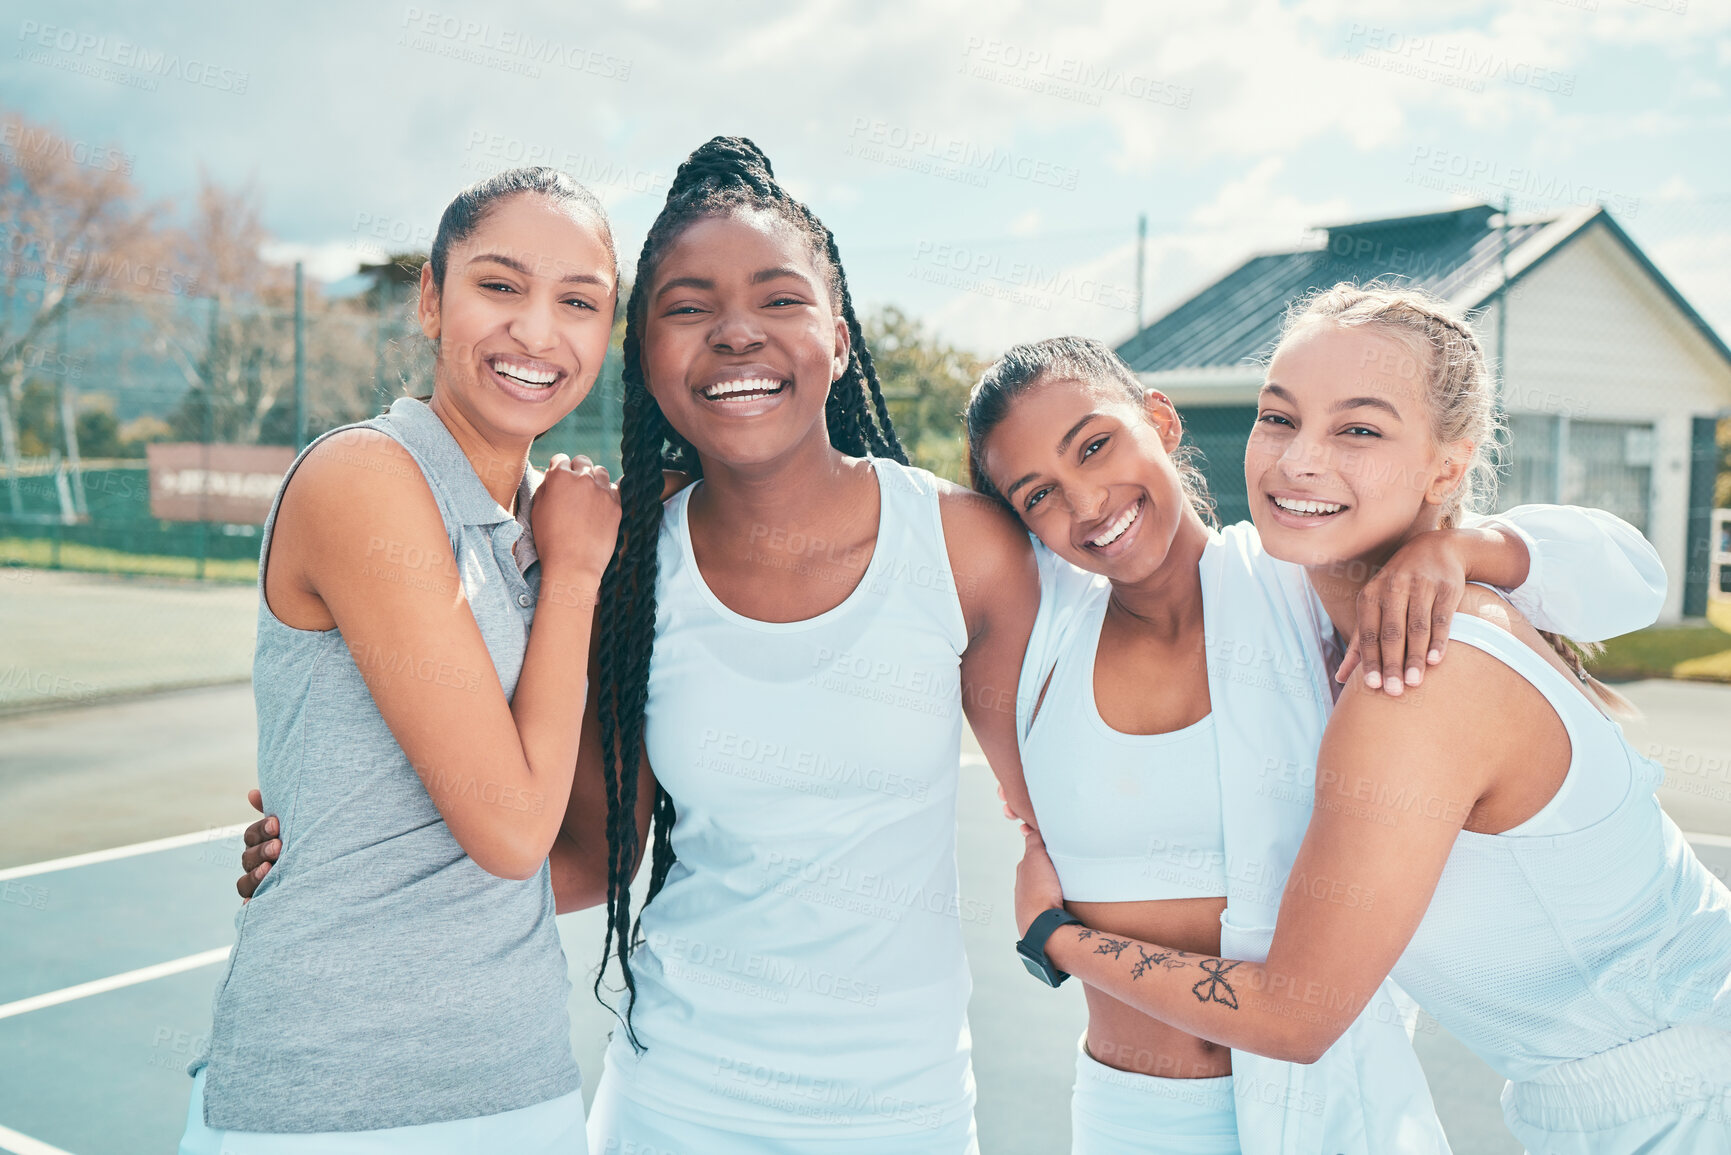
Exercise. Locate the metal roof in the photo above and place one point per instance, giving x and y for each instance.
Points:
(1235, 320)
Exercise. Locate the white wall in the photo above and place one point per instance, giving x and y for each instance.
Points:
(1591, 336)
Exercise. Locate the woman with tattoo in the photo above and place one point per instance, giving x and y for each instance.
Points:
(1488, 839)
(1139, 593)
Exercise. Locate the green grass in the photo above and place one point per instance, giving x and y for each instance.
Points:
(38, 553)
(1667, 652)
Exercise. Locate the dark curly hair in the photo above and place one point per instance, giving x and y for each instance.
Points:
(728, 174)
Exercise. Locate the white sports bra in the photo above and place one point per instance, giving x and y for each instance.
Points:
(1125, 817)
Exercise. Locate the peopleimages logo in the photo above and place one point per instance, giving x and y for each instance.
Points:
(1066, 77)
(954, 158)
(87, 47)
(25, 146)
(504, 48)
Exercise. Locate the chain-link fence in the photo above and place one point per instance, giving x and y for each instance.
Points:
(123, 373)
(216, 395)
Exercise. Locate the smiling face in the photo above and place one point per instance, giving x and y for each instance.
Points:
(1090, 472)
(1343, 463)
(741, 338)
(523, 317)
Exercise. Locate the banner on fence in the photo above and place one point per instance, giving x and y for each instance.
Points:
(191, 481)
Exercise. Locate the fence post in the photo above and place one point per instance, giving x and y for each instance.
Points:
(203, 534)
(9, 450)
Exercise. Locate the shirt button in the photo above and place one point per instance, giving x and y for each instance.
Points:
(523, 600)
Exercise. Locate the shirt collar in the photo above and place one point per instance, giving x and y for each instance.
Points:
(457, 477)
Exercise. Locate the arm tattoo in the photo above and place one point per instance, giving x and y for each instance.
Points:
(1214, 988)
(1111, 946)
(1160, 958)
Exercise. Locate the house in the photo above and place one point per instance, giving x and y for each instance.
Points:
(1612, 382)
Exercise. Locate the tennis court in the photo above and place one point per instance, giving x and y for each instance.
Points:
(119, 845)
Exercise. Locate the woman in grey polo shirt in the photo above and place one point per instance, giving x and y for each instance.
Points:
(416, 738)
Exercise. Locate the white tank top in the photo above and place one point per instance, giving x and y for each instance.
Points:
(802, 968)
(1558, 940)
(1125, 817)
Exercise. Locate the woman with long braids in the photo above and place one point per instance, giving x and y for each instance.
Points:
(1489, 840)
(786, 652)
(1160, 797)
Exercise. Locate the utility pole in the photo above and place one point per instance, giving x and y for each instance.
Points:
(300, 359)
(1141, 262)
(208, 435)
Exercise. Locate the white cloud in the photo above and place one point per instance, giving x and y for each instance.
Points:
(1211, 117)
(327, 262)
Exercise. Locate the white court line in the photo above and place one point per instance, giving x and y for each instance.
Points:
(114, 982)
(11, 1140)
(1708, 839)
(215, 834)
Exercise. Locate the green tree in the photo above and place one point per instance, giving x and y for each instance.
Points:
(99, 431)
(926, 383)
(38, 418)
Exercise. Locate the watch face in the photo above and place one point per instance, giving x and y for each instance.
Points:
(1036, 967)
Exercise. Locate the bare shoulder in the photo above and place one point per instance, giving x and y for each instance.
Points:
(1490, 606)
(357, 464)
(356, 481)
(980, 522)
(1461, 727)
(991, 558)
(1472, 708)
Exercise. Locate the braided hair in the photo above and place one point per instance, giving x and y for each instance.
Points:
(1455, 382)
(729, 174)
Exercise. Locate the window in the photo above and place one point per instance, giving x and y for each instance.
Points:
(1605, 464)
(1532, 460)
(1609, 465)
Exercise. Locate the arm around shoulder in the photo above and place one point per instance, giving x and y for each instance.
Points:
(998, 586)
(1591, 575)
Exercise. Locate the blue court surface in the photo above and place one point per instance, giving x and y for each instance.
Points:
(108, 962)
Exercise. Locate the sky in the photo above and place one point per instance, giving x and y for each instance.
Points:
(983, 170)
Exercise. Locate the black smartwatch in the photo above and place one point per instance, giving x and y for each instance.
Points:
(1032, 948)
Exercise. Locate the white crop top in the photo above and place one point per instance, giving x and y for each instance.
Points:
(1125, 817)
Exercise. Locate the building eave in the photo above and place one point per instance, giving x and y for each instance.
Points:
(1214, 385)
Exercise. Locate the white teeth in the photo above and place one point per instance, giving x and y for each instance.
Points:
(1292, 505)
(524, 374)
(745, 385)
(1117, 528)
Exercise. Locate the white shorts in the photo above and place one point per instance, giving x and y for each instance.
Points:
(619, 1125)
(551, 1128)
(1115, 1112)
(1666, 1094)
